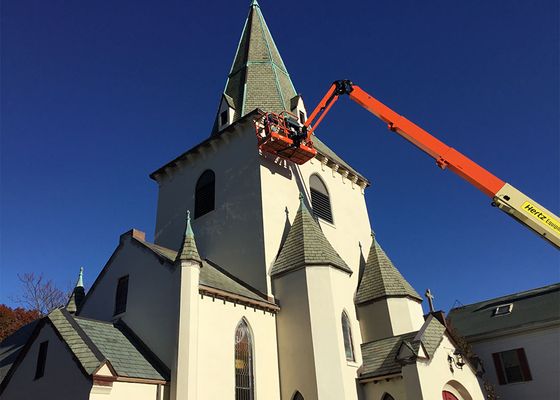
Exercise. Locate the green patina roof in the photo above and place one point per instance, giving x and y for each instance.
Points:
(211, 275)
(380, 357)
(306, 245)
(381, 279)
(258, 77)
(188, 250)
(93, 342)
(529, 309)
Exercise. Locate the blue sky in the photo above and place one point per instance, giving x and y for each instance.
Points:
(96, 95)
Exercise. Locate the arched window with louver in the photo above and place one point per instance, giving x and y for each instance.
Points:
(244, 379)
(205, 192)
(320, 200)
(347, 335)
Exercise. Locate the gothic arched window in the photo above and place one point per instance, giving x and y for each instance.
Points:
(205, 192)
(244, 379)
(347, 335)
(387, 396)
(320, 200)
(297, 396)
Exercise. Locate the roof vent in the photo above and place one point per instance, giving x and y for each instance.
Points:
(503, 309)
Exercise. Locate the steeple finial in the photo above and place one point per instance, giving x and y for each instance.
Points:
(188, 230)
(254, 3)
(78, 294)
(188, 250)
(80, 282)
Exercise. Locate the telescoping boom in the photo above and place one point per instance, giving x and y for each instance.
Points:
(283, 136)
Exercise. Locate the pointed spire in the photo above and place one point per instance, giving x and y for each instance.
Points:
(80, 282)
(382, 279)
(306, 245)
(188, 250)
(78, 294)
(258, 77)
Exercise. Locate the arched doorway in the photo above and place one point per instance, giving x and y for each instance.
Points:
(448, 395)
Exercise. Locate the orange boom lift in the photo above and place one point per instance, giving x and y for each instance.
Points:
(282, 135)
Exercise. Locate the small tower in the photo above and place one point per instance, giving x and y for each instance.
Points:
(311, 349)
(78, 294)
(184, 372)
(387, 304)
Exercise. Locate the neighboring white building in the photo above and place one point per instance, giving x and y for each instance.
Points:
(517, 337)
(275, 299)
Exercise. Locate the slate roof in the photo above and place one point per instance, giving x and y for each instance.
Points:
(117, 343)
(530, 309)
(382, 279)
(306, 245)
(211, 275)
(380, 357)
(93, 342)
(11, 347)
(258, 77)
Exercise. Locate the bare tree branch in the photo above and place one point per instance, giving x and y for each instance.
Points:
(39, 294)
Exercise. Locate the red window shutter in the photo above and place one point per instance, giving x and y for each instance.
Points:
(524, 365)
(499, 368)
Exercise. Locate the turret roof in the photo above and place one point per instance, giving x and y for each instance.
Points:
(306, 245)
(381, 279)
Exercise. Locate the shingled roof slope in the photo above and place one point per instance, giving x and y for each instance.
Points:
(11, 347)
(258, 77)
(530, 309)
(127, 356)
(306, 245)
(211, 275)
(381, 279)
(380, 357)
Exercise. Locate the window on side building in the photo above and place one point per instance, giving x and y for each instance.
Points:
(512, 366)
(205, 192)
(320, 200)
(121, 295)
(41, 359)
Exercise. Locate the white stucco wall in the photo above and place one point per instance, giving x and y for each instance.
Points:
(395, 387)
(151, 310)
(542, 348)
(232, 234)
(216, 353)
(128, 391)
(311, 345)
(295, 343)
(389, 317)
(63, 378)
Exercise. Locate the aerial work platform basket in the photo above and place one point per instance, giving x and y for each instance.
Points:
(283, 136)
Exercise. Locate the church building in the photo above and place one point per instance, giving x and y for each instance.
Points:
(271, 287)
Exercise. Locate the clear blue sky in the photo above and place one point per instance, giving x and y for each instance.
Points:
(96, 95)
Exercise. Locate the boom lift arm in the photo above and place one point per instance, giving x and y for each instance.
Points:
(283, 136)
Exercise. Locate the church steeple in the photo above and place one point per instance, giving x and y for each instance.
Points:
(188, 250)
(258, 77)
